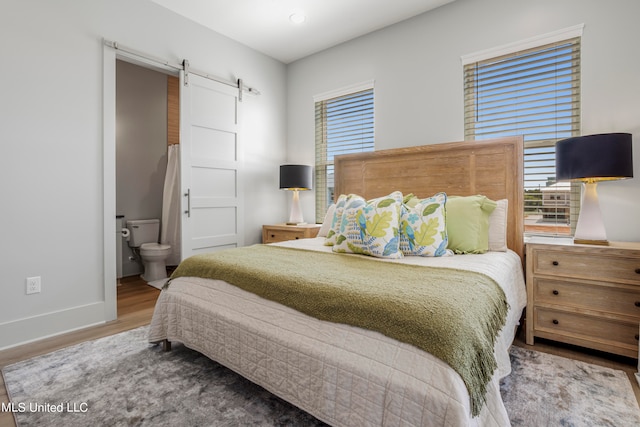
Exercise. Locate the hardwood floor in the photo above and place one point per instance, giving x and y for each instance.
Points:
(136, 301)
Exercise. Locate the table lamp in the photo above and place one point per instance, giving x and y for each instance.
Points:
(591, 159)
(295, 178)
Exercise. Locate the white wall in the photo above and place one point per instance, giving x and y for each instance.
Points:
(418, 79)
(51, 167)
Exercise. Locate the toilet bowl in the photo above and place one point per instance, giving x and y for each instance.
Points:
(153, 259)
(143, 240)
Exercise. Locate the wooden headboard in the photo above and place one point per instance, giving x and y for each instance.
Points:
(492, 167)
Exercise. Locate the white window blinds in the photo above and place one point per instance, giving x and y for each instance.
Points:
(344, 124)
(534, 93)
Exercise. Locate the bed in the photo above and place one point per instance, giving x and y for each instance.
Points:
(342, 372)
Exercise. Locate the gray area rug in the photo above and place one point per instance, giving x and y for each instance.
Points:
(548, 390)
(123, 381)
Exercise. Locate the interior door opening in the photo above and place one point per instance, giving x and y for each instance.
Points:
(147, 123)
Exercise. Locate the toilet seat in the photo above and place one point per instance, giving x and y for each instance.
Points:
(154, 247)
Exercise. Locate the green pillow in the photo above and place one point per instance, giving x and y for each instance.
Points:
(410, 200)
(468, 223)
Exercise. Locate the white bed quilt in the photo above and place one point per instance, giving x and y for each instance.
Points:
(343, 375)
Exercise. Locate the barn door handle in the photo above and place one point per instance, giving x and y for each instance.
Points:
(188, 196)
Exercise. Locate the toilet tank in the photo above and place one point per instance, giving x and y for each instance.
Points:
(143, 231)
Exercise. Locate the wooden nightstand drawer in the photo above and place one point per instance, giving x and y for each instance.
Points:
(593, 267)
(595, 332)
(284, 235)
(282, 232)
(619, 300)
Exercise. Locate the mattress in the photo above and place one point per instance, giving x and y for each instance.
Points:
(343, 375)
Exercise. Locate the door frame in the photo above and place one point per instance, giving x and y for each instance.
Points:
(109, 182)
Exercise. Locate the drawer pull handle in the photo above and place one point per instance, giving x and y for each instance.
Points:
(555, 322)
(637, 337)
(637, 303)
(555, 263)
(555, 292)
(637, 270)
(297, 237)
(273, 235)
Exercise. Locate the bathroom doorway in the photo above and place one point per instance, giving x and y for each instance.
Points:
(211, 180)
(147, 124)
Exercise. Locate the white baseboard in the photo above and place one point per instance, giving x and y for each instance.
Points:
(30, 329)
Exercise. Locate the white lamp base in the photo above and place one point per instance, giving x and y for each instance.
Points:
(590, 228)
(295, 217)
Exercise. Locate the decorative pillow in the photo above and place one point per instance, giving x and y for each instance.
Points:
(498, 227)
(423, 229)
(468, 223)
(330, 238)
(371, 228)
(353, 202)
(328, 220)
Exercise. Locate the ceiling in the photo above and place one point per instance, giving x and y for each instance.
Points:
(264, 25)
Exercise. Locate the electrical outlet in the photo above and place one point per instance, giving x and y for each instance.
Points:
(33, 285)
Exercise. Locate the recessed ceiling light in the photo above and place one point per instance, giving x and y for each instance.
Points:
(297, 18)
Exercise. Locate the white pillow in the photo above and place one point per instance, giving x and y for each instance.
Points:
(328, 220)
(498, 227)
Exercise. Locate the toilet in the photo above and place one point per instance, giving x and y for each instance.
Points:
(143, 240)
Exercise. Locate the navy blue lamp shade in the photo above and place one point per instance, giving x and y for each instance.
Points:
(296, 177)
(600, 157)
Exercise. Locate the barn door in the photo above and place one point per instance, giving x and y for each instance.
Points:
(210, 166)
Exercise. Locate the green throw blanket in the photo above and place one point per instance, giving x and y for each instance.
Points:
(453, 314)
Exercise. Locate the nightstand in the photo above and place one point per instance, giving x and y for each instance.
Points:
(283, 232)
(584, 295)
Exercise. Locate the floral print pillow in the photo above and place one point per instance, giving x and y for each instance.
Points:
(371, 228)
(423, 230)
(333, 232)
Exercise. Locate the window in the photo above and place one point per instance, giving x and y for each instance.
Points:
(535, 93)
(344, 124)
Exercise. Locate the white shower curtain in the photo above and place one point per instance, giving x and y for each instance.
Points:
(170, 233)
